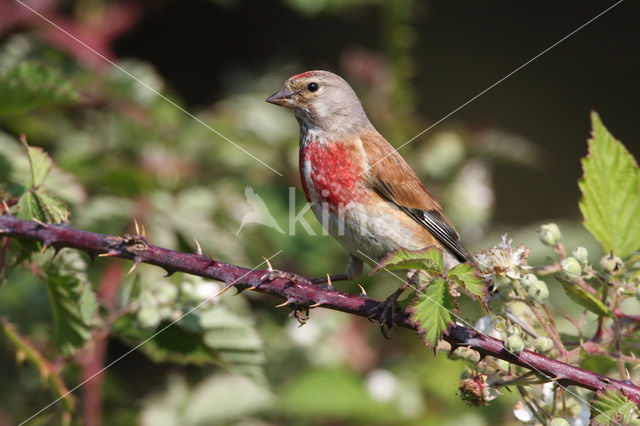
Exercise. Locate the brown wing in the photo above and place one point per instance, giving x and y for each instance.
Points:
(394, 180)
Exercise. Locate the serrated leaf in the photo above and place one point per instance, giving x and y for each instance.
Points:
(29, 85)
(427, 259)
(39, 162)
(610, 186)
(56, 211)
(585, 299)
(41, 206)
(611, 407)
(29, 207)
(432, 310)
(468, 277)
(73, 302)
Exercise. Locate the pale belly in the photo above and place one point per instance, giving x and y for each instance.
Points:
(368, 235)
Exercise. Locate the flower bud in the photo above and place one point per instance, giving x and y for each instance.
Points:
(550, 234)
(528, 280)
(559, 421)
(514, 330)
(538, 292)
(148, 317)
(571, 268)
(611, 263)
(514, 344)
(543, 344)
(580, 254)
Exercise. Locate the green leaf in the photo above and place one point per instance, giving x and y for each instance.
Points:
(56, 211)
(333, 394)
(427, 259)
(432, 310)
(39, 162)
(235, 340)
(219, 399)
(73, 302)
(610, 186)
(41, 206)
(468, 277)
(612, 407)
(585, 299)
(29, 85)
(213, 336)
(29, 207)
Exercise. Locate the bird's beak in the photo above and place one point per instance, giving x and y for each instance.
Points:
(283, 97)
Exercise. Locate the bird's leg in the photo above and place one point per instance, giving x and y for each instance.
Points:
(354, 270)
(385, 311)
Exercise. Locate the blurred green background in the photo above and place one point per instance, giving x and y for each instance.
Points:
(506, 162)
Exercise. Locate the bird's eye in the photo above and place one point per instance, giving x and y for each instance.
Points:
(312, 87)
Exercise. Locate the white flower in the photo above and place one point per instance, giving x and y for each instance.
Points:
(503, 260)
(382, 385)
(522, 412)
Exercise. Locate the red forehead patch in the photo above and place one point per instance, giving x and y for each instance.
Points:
(304, 74)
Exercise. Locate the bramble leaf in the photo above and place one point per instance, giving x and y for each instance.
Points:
(468, 277)
(610, 186)
(611, 407)
(427, 259)
(73, 301)
(41, 206)
(432, 310)
(29, 208)
(29, 85)
(585, 299)
(39, 162)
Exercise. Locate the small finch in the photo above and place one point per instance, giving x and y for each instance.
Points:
(358, 186)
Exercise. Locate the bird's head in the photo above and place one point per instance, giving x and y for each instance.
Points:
(322, 100)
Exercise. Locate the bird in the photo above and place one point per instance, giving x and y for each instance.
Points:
(358, 186)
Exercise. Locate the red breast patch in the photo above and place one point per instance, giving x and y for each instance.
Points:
(330, 174)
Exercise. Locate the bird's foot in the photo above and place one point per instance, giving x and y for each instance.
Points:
(385, 312)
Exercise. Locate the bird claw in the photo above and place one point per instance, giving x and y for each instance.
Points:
(385, 313)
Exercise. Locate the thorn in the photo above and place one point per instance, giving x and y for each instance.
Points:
(109, 253)
(226, 287)
(198, 249)
(627, 375)
(253, 287)
(144, 232)
(45, 246)
(135, 223)
(269, 267)
(56, 250)
(283, 304)
(364, 292)
(62, 215)
(212, 259)
(169, 273)
(6, 207)
(136, 262)
(329, 284)
(38, 221)
(315, 305)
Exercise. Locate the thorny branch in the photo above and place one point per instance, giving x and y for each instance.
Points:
(300, 295)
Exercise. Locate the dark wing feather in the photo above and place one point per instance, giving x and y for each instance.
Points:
(392, 178)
